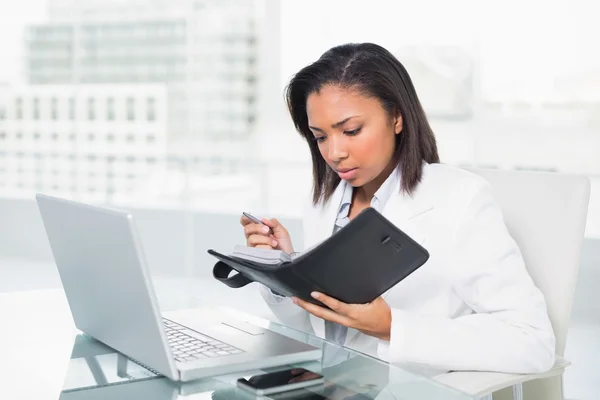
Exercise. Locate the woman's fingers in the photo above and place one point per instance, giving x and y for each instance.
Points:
(275, 225)
(256, 240)
(270, 233)
(256, 229)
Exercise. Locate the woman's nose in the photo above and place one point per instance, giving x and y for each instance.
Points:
(337, 148)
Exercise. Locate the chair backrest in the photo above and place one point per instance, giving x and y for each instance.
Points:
(546, 213)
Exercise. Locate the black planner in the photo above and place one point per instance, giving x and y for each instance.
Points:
(355, 265)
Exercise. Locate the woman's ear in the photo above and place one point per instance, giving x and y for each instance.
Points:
(398, 124)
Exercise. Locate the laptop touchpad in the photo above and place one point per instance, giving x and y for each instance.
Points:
(245, 327)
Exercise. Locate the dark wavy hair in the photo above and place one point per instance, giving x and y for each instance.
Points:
(374, 72)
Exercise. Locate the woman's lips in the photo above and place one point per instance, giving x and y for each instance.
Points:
(347, 174)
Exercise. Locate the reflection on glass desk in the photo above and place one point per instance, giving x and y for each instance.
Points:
(99, 372)
(95, 365)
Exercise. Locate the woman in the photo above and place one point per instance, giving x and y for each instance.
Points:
(472, 306)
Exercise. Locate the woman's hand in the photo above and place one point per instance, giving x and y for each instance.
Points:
(374, 318)
(272, 236)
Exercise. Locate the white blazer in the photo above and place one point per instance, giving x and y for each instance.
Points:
(471, 306)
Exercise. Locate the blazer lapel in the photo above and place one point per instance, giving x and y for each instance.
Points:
(322, 228)
(322, 220)
(402, 210)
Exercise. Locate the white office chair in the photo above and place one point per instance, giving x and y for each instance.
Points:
(545, 213)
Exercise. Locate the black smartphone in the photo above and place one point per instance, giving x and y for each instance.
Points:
(280, 381)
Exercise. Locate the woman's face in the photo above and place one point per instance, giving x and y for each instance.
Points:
(355, 134)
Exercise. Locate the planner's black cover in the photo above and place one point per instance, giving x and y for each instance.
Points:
(355, 265)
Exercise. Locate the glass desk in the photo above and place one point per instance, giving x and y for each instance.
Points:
(98, 372)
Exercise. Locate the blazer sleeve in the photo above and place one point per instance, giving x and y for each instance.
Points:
(509, 331)
(286, 311)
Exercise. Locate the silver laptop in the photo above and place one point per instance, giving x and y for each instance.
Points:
(109, 290)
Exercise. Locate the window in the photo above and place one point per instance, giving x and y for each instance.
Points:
(91, 137)
(151, 138)
(110, 109)
(2, 135)
(130, 109)
(130, 138)
(55, 136)
(54, 108)
(71, 108)
(110, 138)
(36, 136)
(19, 135)
(91, 109)
(2, 113)
(151, 109)
(36, 108)
(18, 108)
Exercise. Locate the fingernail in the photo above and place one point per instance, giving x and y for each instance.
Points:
(315, 295)
(274, 242)
(295, 300)
(265, 229)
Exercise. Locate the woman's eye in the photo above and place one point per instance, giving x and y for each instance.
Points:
(353, 132)
(320, 139)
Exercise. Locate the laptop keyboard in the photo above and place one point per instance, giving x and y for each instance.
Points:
(189, 345)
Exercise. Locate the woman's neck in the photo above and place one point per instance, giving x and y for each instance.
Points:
(365, 193)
